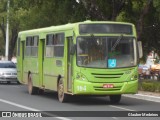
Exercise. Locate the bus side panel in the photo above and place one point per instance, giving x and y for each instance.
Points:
(53, 65)
(52, 68)
(20, 58)
(31, 65)
(19, 64)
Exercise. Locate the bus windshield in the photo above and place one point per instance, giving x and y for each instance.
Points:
(106, 52)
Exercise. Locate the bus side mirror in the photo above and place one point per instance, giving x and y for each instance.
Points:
(140, 51)
(73, 49)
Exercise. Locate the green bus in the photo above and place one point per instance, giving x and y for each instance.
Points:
(83, 58)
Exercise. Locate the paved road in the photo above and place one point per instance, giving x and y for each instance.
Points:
(15, 97)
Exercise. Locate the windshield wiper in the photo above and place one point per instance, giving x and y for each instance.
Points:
(92, 36)
(117, 42)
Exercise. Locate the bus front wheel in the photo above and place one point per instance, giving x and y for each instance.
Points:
(115, 98)
(62, 97)
(31, 89)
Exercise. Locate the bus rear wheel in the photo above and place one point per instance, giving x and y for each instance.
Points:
(31, 89)
(62, 97)
(115, 98)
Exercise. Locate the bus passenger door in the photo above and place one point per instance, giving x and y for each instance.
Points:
(69, 64)
(22, 61)
(40, 60)
(20, 49)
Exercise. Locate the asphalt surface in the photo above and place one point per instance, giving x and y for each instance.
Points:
(15, 97)
(146, 96)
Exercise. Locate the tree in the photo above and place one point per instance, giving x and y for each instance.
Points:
(31, 14)
(2, 26)
(144, 12)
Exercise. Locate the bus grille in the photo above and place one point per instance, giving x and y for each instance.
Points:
(110, 76)
(107, 77)
(117, 88)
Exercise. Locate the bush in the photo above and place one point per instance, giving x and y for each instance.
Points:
(148, 87)
(158, 89)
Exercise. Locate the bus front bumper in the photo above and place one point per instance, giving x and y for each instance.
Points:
(88, 88)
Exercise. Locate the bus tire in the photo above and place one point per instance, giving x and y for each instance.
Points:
(31, 89)
(40, 91)
(8, 82)
(18, 83)
(62, 97)
(115, 99)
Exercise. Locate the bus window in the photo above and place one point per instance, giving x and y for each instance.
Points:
(59, 45)
(18, 47)
(55, 45)
(28, 46)
(49, 45)
(34, 51)
(32, 46)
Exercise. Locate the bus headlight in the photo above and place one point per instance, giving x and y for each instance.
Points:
(1, 73)
(134, 77)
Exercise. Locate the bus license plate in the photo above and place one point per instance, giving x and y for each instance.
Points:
(108, 85)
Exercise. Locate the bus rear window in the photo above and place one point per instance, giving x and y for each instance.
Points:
(105, 28)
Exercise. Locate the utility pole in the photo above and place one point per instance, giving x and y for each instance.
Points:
(7, 32)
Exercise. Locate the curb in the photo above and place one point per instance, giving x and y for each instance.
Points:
(144, 97)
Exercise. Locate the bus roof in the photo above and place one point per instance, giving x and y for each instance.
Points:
(68, 26)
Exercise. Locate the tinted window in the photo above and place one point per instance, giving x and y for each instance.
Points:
(55, 45)
(18, 47)
(32, 46)
(7, 65)
(105, 28)
(106, 52)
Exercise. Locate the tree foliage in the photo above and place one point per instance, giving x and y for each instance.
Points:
(31, 14)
